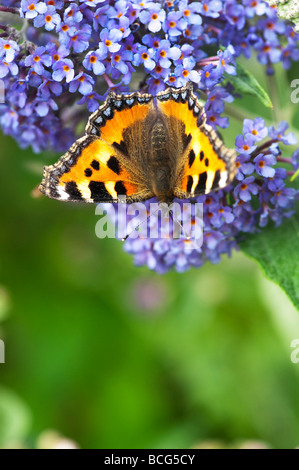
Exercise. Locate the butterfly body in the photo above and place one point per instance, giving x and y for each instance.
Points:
(141, 146)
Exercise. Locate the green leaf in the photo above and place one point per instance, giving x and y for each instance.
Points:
(276, 250)
(245, 82)
(295, 175)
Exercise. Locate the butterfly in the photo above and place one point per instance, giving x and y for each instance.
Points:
(142, 146)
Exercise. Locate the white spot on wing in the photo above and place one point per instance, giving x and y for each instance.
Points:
(109, 185)
(62, 193)
(84, 190)
(210, 180)
(223, 179)
(195, 181)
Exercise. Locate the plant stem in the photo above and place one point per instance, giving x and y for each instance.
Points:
(109, 82)
(15, 11)
(237, 114)
(274, 97)
(295, 175)
(284, 160)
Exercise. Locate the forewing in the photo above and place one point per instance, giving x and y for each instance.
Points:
(205, 164)
(99, 167)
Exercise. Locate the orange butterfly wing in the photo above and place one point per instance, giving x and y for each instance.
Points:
(97, 166)
(206, 164)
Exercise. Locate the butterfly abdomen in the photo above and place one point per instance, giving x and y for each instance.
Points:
(160, 162)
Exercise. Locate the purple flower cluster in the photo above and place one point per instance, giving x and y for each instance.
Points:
(70, 51)
(258, 195)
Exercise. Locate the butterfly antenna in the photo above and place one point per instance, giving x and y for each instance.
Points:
(138, 225)
(174, 219)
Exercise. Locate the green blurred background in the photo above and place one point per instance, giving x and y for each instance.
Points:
(113, 356)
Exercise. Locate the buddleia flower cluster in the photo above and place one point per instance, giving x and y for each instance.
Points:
(59, 59)
(287, 9)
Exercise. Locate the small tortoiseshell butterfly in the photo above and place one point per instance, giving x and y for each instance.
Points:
(141, 146)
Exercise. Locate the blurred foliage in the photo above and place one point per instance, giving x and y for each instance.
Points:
(114, 356)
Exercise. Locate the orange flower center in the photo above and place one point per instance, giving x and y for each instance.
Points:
(144, 56)
(66, 68)
(36, 58)
(172, 24)
(31, 7)
(245, 147)
(65, 28)
(117, 58)
(154, 16)
(254, 132)
(185, 73)
(7, 47)
(92, 59)
(171, 79)
(244, 186)
(187, 12)
(162, 53)
(108, 43)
